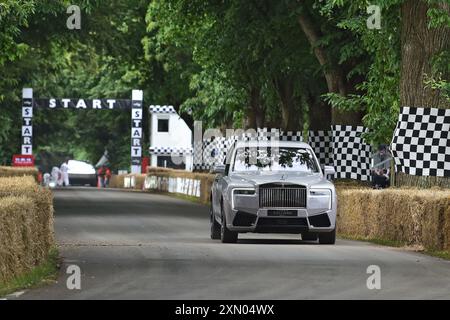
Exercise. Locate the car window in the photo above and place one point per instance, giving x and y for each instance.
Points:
(274, 159)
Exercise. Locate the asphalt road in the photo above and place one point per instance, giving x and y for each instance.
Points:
(132, 245)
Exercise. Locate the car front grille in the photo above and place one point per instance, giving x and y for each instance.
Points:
(282, 196)
(282, 222)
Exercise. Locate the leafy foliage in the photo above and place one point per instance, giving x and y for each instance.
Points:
(228, 63)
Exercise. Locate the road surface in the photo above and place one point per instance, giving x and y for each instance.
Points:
(132, 245)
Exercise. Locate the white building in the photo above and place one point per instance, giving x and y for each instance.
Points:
(170, 139)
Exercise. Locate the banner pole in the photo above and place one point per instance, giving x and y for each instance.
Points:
(136, 131)
(27, 125)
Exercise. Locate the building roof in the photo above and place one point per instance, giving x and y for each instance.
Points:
(162, 109)
(170, 150)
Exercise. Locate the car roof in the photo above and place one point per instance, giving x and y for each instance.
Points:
(279, 143)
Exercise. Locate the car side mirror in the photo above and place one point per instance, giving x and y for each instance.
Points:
(218, 169)
(329, 171)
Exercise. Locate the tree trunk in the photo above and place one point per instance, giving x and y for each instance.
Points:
(419, 45)
(255, 113)
(250, 119)
(319, 114)
(290, 116)
(334, 76)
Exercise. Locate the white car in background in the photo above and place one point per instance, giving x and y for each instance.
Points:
(82, 173)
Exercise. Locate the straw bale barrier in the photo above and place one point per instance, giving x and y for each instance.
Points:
(18, 172)
(118, 181)
(26, 225)
(413, 216)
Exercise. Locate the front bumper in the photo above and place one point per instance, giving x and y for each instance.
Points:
(82, 179)
(245, 214)
(263, 222)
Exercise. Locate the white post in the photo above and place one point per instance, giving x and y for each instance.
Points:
(136, 130)
(27, 125)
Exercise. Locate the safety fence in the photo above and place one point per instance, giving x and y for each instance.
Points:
(197, 185)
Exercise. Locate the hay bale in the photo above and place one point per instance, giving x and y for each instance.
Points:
(139, 181)
(43, 201)
(18, 236)
(446, 222)
(116, 181)
(18, 172)
(412, 216)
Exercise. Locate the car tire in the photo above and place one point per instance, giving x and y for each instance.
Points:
(227, 236)
(215, 226)
(308, 236)
(327, 237)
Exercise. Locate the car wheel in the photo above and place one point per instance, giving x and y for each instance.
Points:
(226, 235)
(327, 237)
(215, 226)
(308, 236)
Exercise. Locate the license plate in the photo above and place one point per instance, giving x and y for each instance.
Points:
(282, 213)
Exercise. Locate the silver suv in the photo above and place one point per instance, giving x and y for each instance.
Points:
(267, 189)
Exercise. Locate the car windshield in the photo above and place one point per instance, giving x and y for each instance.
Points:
(274, 159)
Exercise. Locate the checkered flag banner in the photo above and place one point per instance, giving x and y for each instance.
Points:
(341, 147)
(215, 150)
(421, 142)
(320, 142)
(351, 155)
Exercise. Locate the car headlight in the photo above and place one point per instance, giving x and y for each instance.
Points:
(320, 192)
(321, 197)
(246, 192)
(241, 192)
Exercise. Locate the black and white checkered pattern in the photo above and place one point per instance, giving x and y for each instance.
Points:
(292, 136)
(169, 151)
(215, 151)
(320, 142)
(351, 155)
(421, 142)
(161, 109)
(263, 134)
(342, 147)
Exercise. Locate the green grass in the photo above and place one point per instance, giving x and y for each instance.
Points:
(177, 195)
(439, 254)
(43, 273)
(186, 197)
(398, 244)
(382, 242)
